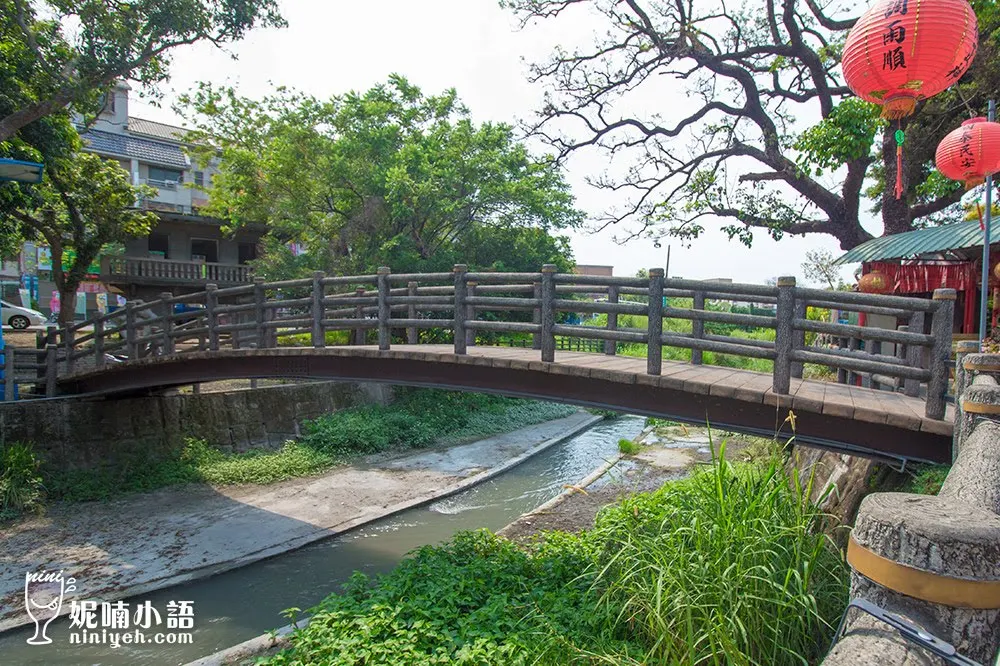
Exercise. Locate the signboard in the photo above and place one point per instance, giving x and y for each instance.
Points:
(25, 297)
(102, 303)
(81, 305)
(44, 262)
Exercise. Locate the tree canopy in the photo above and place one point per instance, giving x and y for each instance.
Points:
(388, 176)
(771, 141)
(83, 203)
(59, 53)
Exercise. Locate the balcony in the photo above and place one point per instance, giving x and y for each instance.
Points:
(168, 272)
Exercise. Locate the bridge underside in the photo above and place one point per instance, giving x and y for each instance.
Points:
(851, 420)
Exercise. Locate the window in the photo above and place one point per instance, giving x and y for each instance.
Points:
(247, 252)
(165, 175)
(204, 250)
(199, 178)
(159, 246)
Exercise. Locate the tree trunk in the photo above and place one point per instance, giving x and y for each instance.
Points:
(895, 212)
(67, 305)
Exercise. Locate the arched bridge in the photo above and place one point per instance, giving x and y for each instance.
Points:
(520, 334)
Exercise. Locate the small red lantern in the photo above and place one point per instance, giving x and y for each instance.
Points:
(971, 152)
(902, 51)
(874, 283)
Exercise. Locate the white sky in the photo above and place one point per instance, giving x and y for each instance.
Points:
(332, 46)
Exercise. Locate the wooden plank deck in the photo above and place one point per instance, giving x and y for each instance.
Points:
(862, 404)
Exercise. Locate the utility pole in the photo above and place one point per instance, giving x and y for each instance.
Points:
(984, 295)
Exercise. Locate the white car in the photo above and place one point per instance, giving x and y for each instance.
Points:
(20, 318)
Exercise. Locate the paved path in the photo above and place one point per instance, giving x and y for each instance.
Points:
(145, 542)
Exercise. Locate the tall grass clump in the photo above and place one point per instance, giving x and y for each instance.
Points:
(21, 489)
(730, 566)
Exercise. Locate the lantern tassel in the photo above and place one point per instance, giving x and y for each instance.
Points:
(979, 210)
(900, 137)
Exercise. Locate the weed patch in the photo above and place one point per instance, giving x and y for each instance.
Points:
(21, 489)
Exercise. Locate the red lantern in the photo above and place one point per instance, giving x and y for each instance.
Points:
(874, 283)
(971, 152)
(903, 51)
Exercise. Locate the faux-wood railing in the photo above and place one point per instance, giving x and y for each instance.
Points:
(464, 303)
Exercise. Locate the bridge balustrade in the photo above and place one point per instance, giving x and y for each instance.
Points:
(462, 307)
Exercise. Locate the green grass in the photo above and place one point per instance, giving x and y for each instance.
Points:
(629, 447)
(21, 489)
(333, 338)
(418, 418)
(728, 566)
(927, 480)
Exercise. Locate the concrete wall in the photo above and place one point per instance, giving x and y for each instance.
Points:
(179, 235)
(78, 434)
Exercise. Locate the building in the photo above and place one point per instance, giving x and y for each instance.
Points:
(185, 250)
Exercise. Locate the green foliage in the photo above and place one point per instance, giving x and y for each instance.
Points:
(629, 447)
(84, 203)
(848, 133)
(606, 414)
(332, 338)
(385, 177)
(419, 417)
(726, 567)
(21, 489)
(59, 53)
(927, 480)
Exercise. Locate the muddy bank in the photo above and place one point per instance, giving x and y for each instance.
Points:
(145, 542)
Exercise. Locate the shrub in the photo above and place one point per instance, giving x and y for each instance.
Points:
(629, 447)
(21, 489)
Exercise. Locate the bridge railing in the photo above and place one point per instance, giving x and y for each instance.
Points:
(457, 305)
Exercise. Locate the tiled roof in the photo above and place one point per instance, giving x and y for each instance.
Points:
(146, 150)
(156, 130)
(953, 238)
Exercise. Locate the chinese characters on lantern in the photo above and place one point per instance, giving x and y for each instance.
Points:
(968, 158)
(894, 36)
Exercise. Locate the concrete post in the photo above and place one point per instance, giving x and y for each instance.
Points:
(318, 311)
(942, 326)
(167, 323)
(914, 355)
(536, 315)
(784, 340)
(610, 346)
(99, 344)
(260, 313)
(69, 339)
(799, 337)
(51, 370)
(211, 317)
(963, 380)
(9, 379)
(470, 315)
(548, 312)
(412, 336)
(131, 350)
(654, 326)
(360, 333)
(698, 328)
(384, 312)
(461, 290)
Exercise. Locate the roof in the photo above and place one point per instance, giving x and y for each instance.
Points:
(947, 238)
(156, 130)
(124, 145)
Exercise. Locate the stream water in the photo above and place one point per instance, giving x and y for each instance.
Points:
(235, 606)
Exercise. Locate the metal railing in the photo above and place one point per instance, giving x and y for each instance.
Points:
(461, 304)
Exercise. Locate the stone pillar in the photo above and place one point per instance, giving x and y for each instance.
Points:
(548, 312)
(784, 335)
(654, 336)
(384, 312)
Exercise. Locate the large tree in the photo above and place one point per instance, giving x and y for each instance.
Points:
(386, 176)
(737, 113)
(59, 53)
(83, 204)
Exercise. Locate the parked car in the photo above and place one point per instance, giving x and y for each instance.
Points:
(20, 318)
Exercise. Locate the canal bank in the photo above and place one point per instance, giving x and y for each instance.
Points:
(237, 605)
(141, 543)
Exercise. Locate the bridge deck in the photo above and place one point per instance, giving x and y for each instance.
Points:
(835, 416)
(854, 402)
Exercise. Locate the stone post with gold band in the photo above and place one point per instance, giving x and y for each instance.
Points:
(935, 559)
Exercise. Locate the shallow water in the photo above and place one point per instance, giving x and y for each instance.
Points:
(237, 605)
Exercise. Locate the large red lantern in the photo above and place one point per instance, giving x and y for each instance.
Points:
(902, 51)
(971, 152)
(874, 283)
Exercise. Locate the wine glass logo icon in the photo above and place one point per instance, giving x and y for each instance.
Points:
(43, 598)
